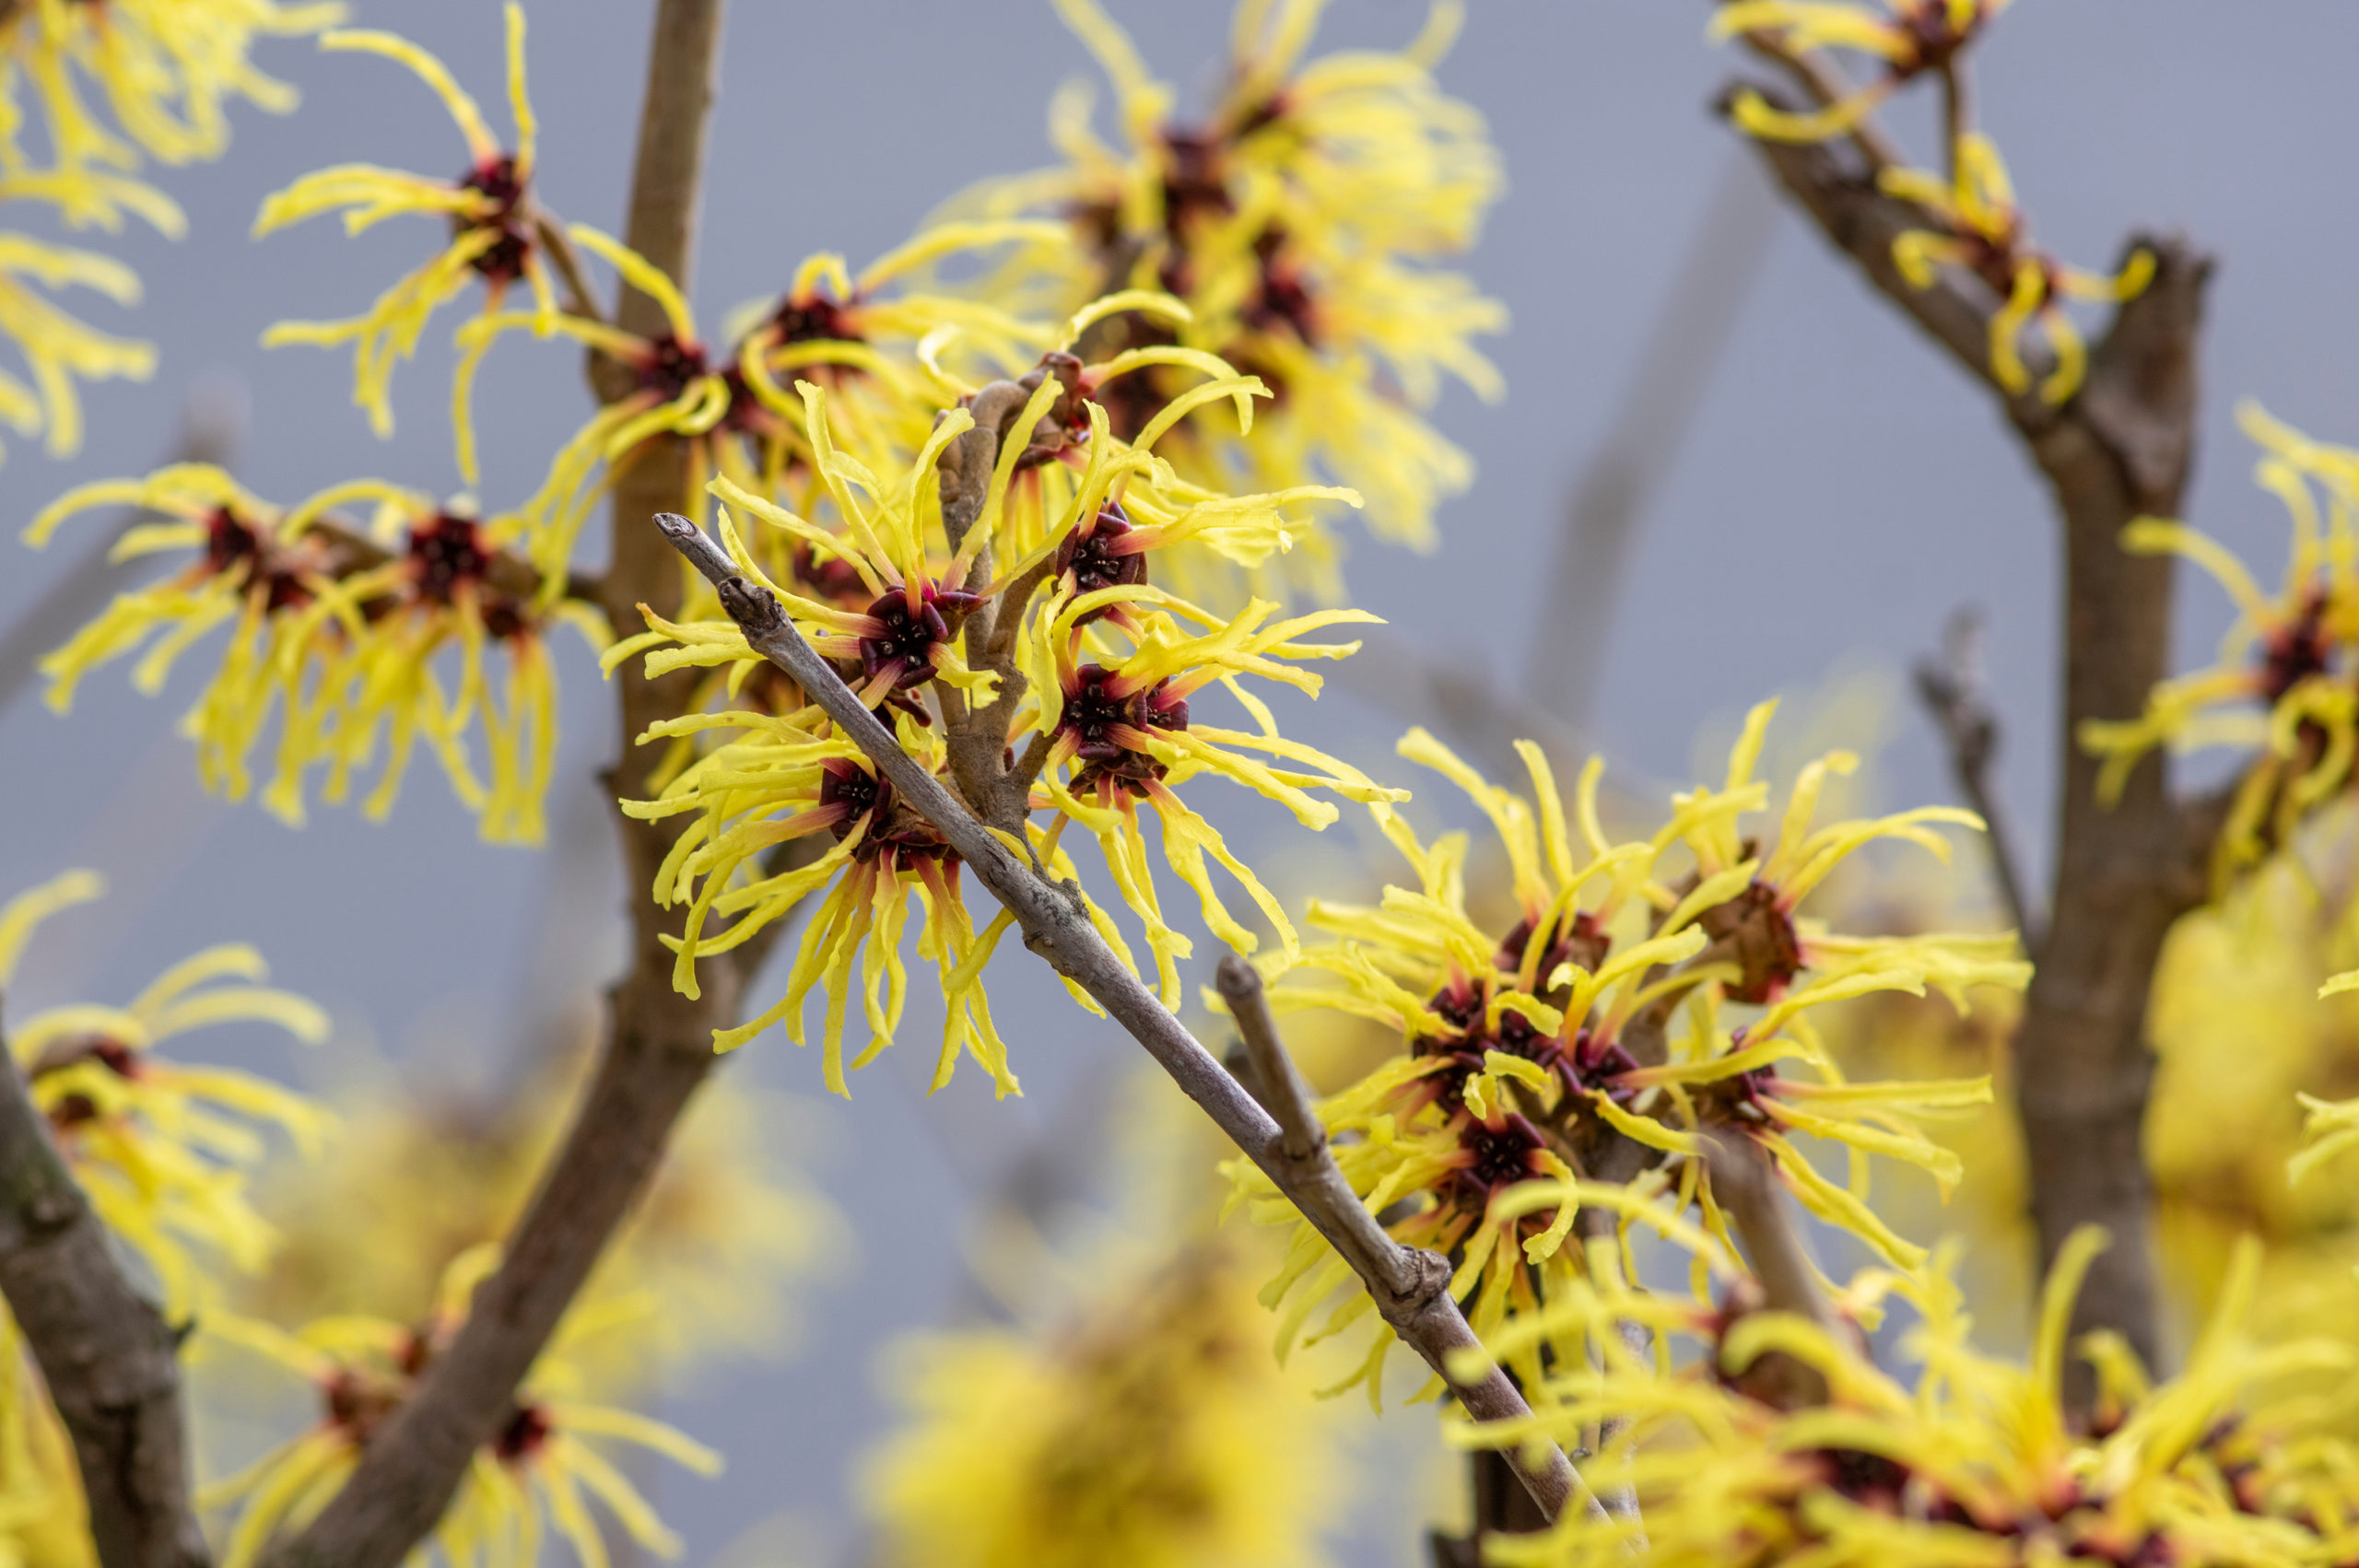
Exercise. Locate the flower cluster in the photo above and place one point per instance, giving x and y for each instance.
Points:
(1976, 1463)
(1300, 219)
(2283, 684)
(1062, 683)
(340, 631)
(1973, 222)
(164, 1148)
(168, 70)
(1540, 1051)
(541, 1470)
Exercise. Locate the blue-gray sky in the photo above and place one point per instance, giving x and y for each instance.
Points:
(1842, 490)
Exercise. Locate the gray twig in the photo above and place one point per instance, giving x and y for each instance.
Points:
(1954, 691)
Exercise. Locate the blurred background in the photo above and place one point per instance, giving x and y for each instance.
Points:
(1810, 493)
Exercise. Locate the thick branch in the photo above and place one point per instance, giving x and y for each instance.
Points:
(1410, 1288)
(2120, 449)
(110, 1359)
(659, 1047)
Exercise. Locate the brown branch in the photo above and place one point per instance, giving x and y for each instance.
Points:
(1410, 1288)
(1746, 1190)
(659, 1047)
(1952, 689)
(580, 298)
(2123, 875)
(110, 1359)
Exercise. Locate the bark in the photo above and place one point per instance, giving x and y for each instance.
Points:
(659, 1047)
(110, 1360)
(2117, 450)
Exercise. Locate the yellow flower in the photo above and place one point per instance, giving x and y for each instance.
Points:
(1096, 735)
(339, 632)
(889, 371)
(1299, 221)
(1909, 36)
(495, 224)
(162, 1148)
(1973, 1467)
(1981, 230)
(1148, 1429)
(169, 68)
(57, 348)
(1538, 1051)
(542, 1469)
(2288, 655)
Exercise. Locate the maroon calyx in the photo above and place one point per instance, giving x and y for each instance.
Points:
(445, 552)
(502, 262)
(1503, 1151)
(2296, 652)
(905, 642)
(232, 543)
(814, 317)
(1760, 937)
(1104, 721)
(527, 1430)
(847, 784)
(1088, 561)
(670, 365)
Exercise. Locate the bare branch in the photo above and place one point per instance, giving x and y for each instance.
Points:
(1410, 1288)
(580, 298)
(2123, 874)
(1954, 691)
(112, 1363)
(1747, 1191)
(659, 1047)
(1277, 1082)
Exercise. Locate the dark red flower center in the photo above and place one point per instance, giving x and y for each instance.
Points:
(907, 638)
(526, 1431)
(1093, 713)
(1092, 561)
(670, 366)
(503, 260)
(447, 551)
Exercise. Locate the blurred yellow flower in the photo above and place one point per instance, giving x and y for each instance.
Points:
(2281, 684)
(541, 1470)
(1144, 1426)
(163, 1149)
(728, 1239)
(339, 630)
(495, 223)
(1300, 221)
